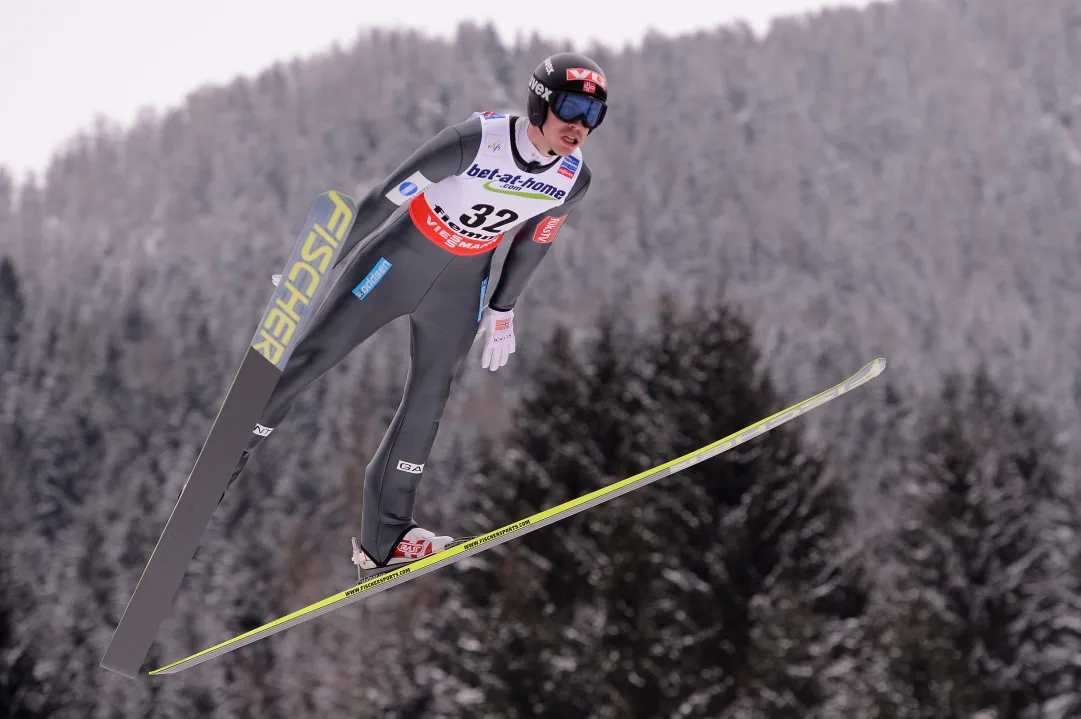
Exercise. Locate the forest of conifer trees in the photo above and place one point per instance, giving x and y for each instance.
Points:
(766, 215)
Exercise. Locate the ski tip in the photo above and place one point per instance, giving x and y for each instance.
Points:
(878, 366)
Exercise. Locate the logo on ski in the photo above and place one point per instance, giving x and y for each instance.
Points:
(389, 576)
(304, 275)
(495, 535)
(410, 467)
(262, 431)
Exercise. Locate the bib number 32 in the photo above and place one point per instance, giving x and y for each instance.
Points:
(481, 214)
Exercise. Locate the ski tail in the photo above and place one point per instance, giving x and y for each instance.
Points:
(513, 531)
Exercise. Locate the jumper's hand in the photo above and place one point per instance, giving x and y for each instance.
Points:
(499, 338)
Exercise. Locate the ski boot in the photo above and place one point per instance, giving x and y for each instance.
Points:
(414, 545)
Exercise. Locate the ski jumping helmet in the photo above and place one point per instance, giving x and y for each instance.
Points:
(573, 86)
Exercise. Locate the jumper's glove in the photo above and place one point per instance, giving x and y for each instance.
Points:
(499, 338)
(275, 279)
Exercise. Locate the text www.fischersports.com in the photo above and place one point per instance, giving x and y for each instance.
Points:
(495, 535)
(378, 580)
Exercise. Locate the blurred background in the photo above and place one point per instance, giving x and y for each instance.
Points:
(782, 191)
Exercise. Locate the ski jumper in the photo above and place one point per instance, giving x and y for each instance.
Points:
(422, 246)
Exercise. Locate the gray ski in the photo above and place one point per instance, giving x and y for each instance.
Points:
(288, 313)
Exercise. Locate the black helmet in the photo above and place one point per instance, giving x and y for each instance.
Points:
(573, 86)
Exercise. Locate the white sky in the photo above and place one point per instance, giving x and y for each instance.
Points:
(64, 62)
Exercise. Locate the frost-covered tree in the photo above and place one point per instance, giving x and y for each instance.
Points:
(899, 178)
(983, 591)
(710, 590)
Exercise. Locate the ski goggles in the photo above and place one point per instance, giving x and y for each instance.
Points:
(569, 107)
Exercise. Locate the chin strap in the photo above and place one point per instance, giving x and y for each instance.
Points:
(541, 128)
(536, 164)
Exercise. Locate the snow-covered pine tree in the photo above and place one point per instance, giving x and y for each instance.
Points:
(712, 588)
(981, 590)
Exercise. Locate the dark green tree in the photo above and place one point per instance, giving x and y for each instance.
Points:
(12, 310)
(706, 591)
(23, 695)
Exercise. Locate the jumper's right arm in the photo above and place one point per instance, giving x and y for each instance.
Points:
(439, 158)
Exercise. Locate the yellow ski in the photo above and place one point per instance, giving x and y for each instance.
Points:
(521, 527)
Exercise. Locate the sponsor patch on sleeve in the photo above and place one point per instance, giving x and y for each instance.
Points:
(408, 188)
(546, 230)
